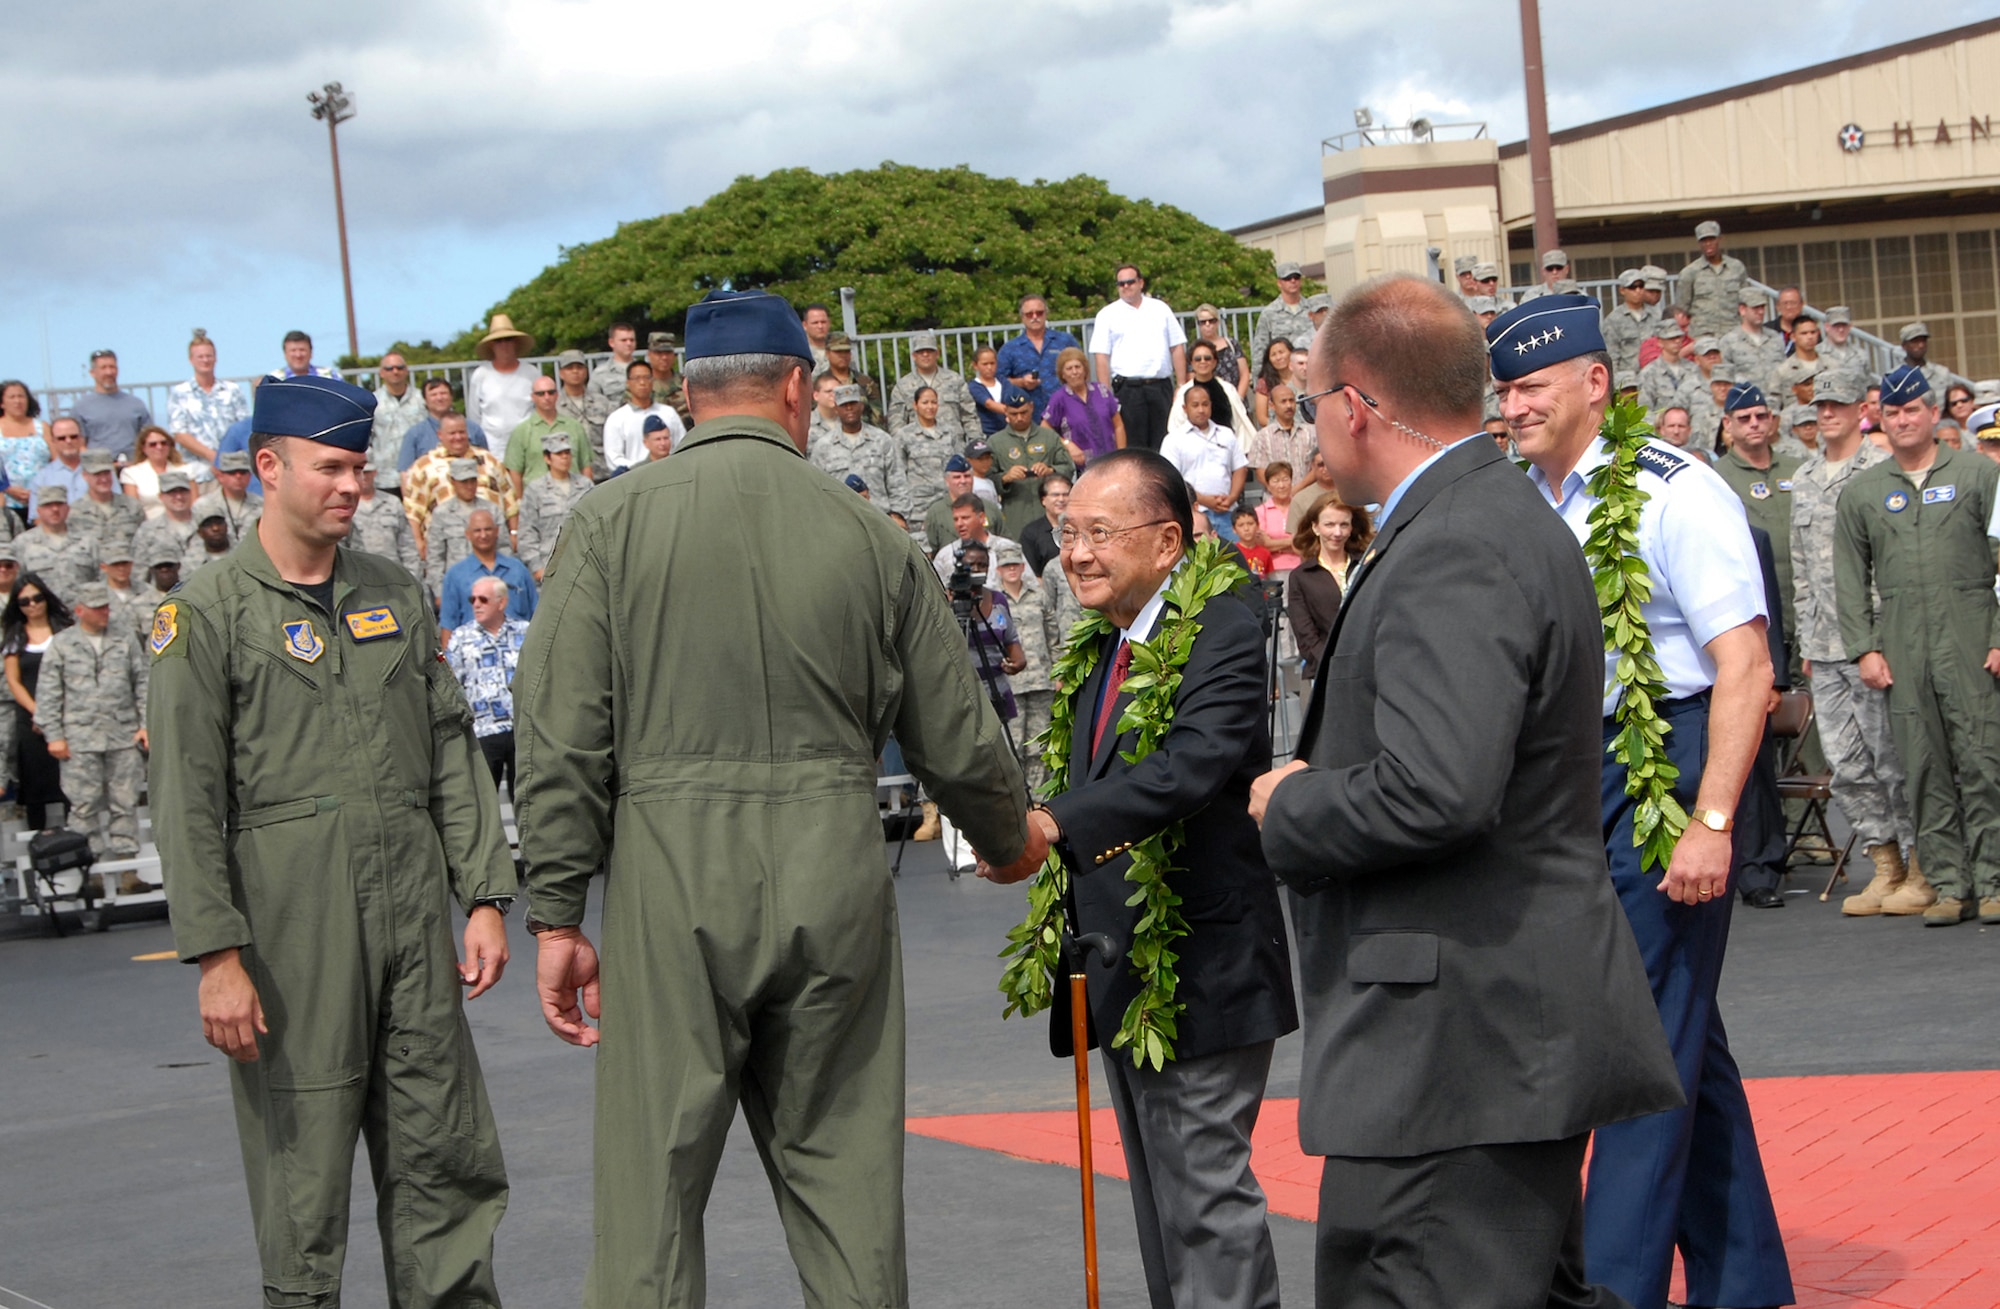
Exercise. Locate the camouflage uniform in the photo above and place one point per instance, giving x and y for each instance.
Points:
(871, 393)
(1754, 358)
(241, 515)
(1851, 358)
(162, 536)
(578, 407)
(1664, 384)
(1563, 286)
(1033, 692)
(132, 610)
(382, 528)
(602, 395)
(1625, 330)
(872, 453)
(198, 555)
(65, 562)
(1276, 320)
(1853, 720)
(545, 506)
(1710, 292)
(113, 522)
(92, 695)
(818, 429)
(924, 450)
(954, 400)
(1936, 374)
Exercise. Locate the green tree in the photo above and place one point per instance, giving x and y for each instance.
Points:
(922, 248)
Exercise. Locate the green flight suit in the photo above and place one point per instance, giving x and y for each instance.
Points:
(711, 738)
(1928, 553)
(316, 793)
(1020, 500)
(1766, 494)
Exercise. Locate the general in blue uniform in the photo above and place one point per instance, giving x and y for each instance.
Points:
(1688, 1177)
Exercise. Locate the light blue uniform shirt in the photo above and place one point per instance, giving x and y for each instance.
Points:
(1696, 543)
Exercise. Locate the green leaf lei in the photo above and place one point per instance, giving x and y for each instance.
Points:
(1148, 1028)
(1623, 584)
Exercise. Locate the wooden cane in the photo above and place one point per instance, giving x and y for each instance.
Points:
(1079, 1046)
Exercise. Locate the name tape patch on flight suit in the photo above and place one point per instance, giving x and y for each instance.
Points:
(302, 643)
(1896, 502)
(166, 626)
(371, 624)
(1937, 495)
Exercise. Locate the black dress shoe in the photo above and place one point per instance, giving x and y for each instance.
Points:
(1764, 897)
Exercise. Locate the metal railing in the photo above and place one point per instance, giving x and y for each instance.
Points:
(1418, 131)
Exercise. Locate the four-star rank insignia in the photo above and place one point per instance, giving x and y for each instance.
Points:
(166, 626)
(1896, 502)
(302, 642)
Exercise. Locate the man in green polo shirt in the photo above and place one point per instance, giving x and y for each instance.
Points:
(523, 459)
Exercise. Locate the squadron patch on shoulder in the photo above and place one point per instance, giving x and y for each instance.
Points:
(166, 627)
(1896, 502)
(1661, 463)
(371, 624)
(302, 642)
(1937, 495)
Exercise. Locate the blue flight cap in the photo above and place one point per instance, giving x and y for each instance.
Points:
(744, 323)
(323, 409)
(1544, 331)
(654, 423)
(856, 485)
(1744, 395)
(1013, 395)
(957, 464)
(1904, 384)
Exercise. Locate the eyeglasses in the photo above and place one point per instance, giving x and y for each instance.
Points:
(1292, 277)
(1366, 399)
(540, 391)
(1098, 534)
(1128, 281)
(1035, 313)
(486, 599)
(1204, 322)
(33, 600)
(74, 436)
(394, 368)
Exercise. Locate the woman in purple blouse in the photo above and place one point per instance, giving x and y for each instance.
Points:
(1083, 413)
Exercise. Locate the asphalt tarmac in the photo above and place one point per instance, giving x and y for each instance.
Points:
(122, 1184)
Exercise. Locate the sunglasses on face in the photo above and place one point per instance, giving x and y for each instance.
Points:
(32, 600)
(1128, 281)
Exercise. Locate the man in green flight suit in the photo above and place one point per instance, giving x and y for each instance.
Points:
(1917, 529)
(1762, 480)
(316, 794)
(712, 734)
(1025, 452)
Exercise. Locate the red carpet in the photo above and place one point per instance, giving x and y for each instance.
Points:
(1887, 1185)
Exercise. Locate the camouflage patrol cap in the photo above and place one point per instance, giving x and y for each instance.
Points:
(569, 357)
(923, 341)
(163, 557)
(1838, 388)
(1706, 229)
(1630, 277)
(839, 341)
(1465, 263)
(463, 470)
(1671, 331)
(1318, 303)
(1838, 314)
(849, 394)
(1912, 331)
(1482, 304)
(1801, 414)
(97, 461)
(1008, 554)
(1554, 259)
(115, 553)
(52, 495)
(661, 341)
(1707, 345)
(1289, 268)
(1625, 381)
(1486, 271)
(233, 461)
(91, 595)
(212, 514)
(175, 479)
(1750, 295)
(1656, 276)
(1795, 370)
(555, 442)
(1722, 373)
(8, 554)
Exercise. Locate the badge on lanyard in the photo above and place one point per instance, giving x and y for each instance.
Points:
(1937, 495)
(302, 643)
(1896, 502)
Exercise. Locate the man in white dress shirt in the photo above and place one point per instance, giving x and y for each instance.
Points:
(1140, 349)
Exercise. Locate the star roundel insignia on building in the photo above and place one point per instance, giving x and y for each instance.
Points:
(1852, 138)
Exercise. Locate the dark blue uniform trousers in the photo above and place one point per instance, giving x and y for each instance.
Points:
(1690, 1177)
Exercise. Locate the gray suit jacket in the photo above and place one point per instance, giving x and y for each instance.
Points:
(1469, 975)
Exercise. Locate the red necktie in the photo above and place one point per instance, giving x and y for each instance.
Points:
(1120, 666)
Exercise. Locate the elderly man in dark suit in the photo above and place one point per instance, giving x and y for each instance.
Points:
(1186, 1127)
(1474, 1001)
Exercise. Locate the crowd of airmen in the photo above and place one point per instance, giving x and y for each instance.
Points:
(1882, 521)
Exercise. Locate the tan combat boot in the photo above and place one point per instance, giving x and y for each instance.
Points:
(1949, 911)
(1913, 896)
(928, 829)
(1889, 874)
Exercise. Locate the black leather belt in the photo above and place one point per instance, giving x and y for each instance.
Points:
(1141, 381)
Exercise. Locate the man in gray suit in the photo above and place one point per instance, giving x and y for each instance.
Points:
(1474, 1003)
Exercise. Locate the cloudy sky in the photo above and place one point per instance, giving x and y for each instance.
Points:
(164, 171)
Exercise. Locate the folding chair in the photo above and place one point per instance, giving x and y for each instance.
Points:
(1790, 724)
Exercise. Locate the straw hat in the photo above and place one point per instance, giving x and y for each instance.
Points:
(502, 329)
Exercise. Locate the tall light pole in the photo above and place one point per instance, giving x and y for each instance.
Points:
(334, 106)
(1541, 169)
